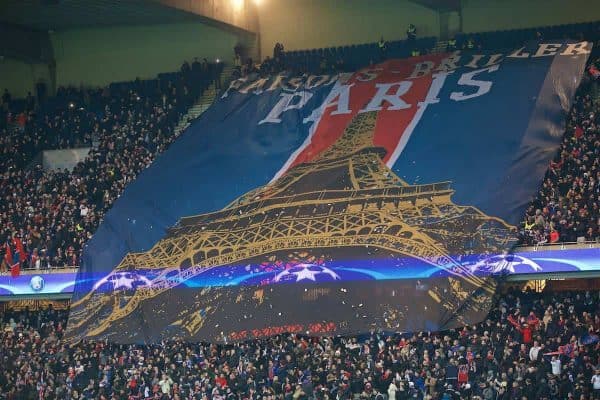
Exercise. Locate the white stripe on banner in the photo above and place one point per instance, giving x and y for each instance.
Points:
(315, 117)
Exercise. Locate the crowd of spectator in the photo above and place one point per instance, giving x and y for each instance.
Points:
(566, 208)
(54, 212)
(532, 346)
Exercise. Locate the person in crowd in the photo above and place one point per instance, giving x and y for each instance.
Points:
(29, 102)
(237, 61)
(534, 351)
(185, 68)
(596, 384)
(383, 48)
(411, 33)
(470, 44)
(452, 46)
(6, 98)
(278, 51)
(238, 50)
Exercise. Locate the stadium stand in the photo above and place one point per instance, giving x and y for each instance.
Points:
(533, 346)
(53, 213)
(351, 58)
(516, 37)
(566, 207)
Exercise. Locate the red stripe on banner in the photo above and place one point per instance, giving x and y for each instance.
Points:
(391, 124)
(331, 127)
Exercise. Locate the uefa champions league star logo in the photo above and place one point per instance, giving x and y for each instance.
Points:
(509, 263)
(310, 272)
(122, 280)
(37, 283)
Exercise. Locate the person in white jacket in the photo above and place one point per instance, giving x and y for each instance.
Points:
(392, 389)
(556, 365)
(534, 351)
(596, 384)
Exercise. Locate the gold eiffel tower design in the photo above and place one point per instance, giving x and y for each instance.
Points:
(346, 198)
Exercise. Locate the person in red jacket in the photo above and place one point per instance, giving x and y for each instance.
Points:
(554, 236)
(221, 381)
(525, 330)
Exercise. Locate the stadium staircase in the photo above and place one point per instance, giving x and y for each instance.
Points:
(203, 102)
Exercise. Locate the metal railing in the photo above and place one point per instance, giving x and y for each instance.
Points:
(560, 246)
(36, 271)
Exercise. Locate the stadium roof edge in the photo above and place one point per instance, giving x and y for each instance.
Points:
(63, 15)
(440, 5)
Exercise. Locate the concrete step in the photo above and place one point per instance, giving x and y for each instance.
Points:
(202, 104)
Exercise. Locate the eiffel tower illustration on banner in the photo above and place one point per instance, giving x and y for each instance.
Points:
(345, 201)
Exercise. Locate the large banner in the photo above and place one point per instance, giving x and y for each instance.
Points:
(332, 204)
